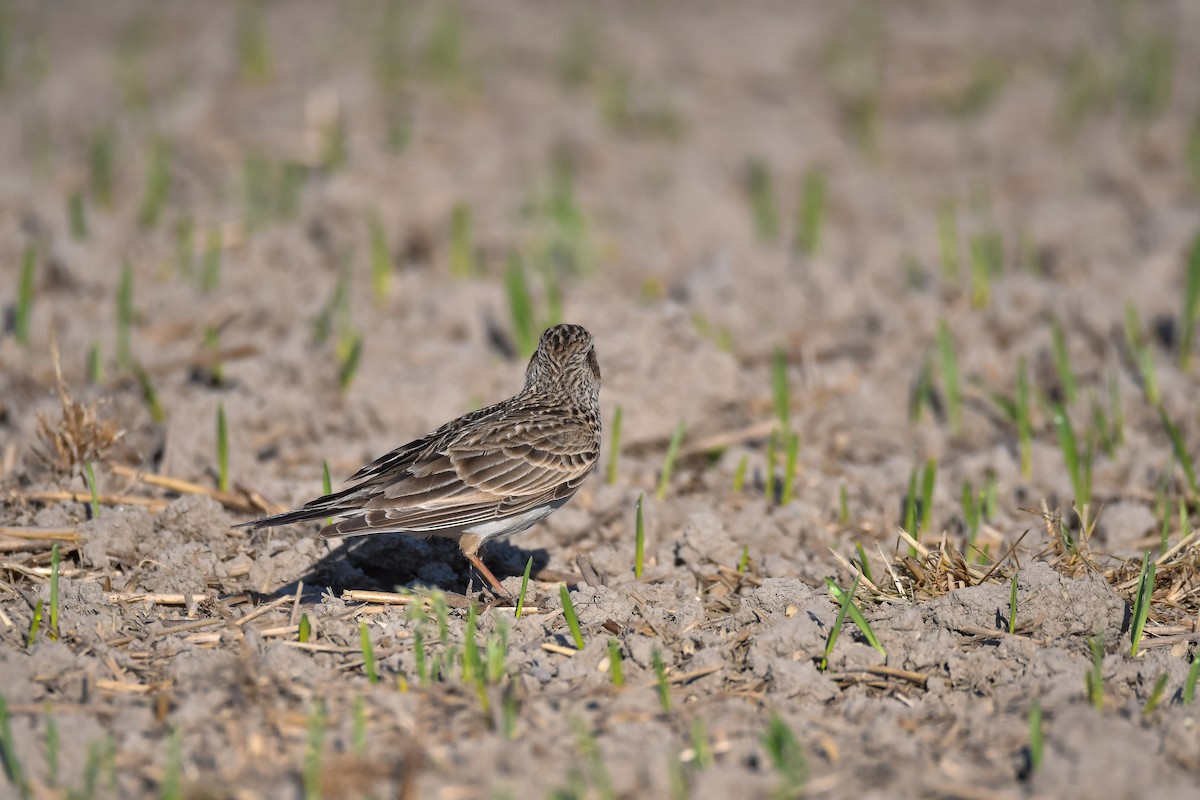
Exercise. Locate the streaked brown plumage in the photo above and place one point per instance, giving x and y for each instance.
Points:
(489, 473)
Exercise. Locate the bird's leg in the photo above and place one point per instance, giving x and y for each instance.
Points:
(496, 585)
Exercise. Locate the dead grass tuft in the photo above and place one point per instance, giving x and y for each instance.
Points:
(79, 436)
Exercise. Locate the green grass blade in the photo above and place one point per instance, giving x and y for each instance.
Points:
(520, 307)
(739, 473)
(524, 588)
(639, 540)
(222, 450)
(762, 200)
(614, 451)
(780, 390)
(1189, 684)
(1191, 302)
(1141, 605)
(305, 634)
(950, 383)
(368, 653)
(462, 254)
(125, 315)
(381, 261)
(1180, 449)
(311, 769)
(1156, 695)
(664, 477)
(12, 765)
(847, 600)
(55, 560)
(928, 481)
(90, 472)
(569, 613)
(812, 212)
(791, 457)
(660, 676)
(349, 365)
(614, 663)
(1062, 364)
(787, 756)
(1012, 605)
(25, 296)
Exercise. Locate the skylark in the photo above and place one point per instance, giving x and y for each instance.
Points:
(489, 473)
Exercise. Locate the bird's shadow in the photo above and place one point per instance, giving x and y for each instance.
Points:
(390, 561)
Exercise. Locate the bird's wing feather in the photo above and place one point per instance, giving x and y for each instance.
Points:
(482, 474)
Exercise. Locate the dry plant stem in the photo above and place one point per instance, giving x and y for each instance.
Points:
(151, 503)
(234, 501)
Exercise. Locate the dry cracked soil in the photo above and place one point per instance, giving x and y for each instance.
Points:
(886, 266)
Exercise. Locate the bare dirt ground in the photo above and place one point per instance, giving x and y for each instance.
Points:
(296, 196)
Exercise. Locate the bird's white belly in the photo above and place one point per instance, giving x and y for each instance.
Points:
(513, 524)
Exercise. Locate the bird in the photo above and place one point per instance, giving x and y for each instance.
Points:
(492, 472)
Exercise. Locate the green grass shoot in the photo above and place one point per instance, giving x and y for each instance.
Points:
(524, 588)
(520, 307)
(928, 481)
(24, 295)
(348, 367)
(855, 613)
(769, 484)
(1024, 424)
(985, 253)
(12, 765)
(314, 748)
(847, 600)
(326, 485)
(1062, 364)
(305, 633)
(95, 364)
(1078, 465)
(149, 394)
(614, 448)
(210, 262)
(368, 653)
(744, 561)
(787, 756)
(35, 624)
(212, 343)
(1179, 447)
(253, 49)
(1141, 604)
(660, 677)
(1036, 737)
(639, 539)
(761, 192)
(1191, 301)
(89, 472)
(910, 508)
(780, 390)
(125, 316)
(1012, 605)
(1142, 356)
(462, 252)
(158, 183)
(702, 751)
(444, 50)
(381, 261)
(864, 563)
(972, 514)
(811, 214)
(1189, 684)
(739, 472)
(922, 391)
(52, 749)
(948, 362)
(569, 613)
(791, 458)
(948, 245)
(664, 477)
(615, 669)
(222, 450)
(172, 782)
(472, 664)
(100, 166)
(1094, 677)
(77, 215)
(1156, 695)
(55, 563)
(420, 660)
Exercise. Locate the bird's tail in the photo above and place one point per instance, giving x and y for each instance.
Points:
(331, 505)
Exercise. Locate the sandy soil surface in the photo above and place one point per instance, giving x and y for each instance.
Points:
(280, 185)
